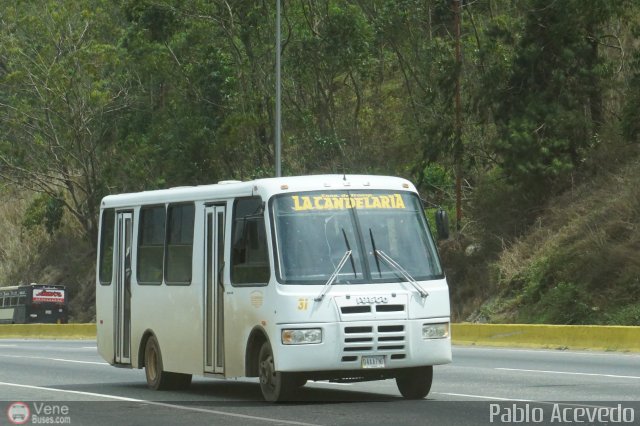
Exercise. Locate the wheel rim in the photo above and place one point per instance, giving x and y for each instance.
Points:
(268, 372)
(152, 364)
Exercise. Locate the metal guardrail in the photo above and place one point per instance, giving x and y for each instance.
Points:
(612, 338)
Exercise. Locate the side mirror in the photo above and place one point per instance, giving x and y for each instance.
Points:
(442, 224)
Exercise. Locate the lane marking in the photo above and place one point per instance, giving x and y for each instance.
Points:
(330, 383)
(493, 398)
(616, 376)
(48, 348)
(161, 404)
(8, 346)
(55, 359)
(549, 351)
(496, 398)
(118, 398)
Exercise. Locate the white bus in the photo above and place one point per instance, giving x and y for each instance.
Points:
(285, 279)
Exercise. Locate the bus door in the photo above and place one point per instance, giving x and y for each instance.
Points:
(122, 332)
(214, 290)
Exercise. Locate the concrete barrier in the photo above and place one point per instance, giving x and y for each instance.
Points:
(613, 338)
(47, 331)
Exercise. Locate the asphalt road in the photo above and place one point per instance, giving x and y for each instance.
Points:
(68, 383)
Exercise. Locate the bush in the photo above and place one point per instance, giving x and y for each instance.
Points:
(503, 211)
(566, 303)
(628, 315)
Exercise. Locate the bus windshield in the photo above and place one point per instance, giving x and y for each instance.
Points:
(314, 231)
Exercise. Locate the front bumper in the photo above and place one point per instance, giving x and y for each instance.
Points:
(400, 342)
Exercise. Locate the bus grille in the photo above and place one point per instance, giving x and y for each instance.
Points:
(379, 340)
(360, 309)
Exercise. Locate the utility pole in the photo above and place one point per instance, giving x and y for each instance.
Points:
(278, 117)
(458, 148)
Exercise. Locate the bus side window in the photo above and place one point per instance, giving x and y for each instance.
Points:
(179, 252)
(249, 257)
(151, 245)
(106, 246)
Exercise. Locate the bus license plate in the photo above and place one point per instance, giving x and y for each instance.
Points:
(372, 361)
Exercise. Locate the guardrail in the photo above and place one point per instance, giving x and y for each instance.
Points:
(611, 338)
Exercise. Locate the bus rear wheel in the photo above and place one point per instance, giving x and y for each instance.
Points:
(275, 385)
(415, 383)
(157, 378)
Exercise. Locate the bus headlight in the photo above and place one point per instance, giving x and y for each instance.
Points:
(435, 331)
(302, 336)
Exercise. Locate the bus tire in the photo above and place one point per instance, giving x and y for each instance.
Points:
(276, 386)
(157, 378)
(415, 383)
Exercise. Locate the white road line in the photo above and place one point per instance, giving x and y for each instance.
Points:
(160, 404)
(496, 398)
(98, 395)
(8, 346)
(55, 359)
(493, 398)
(616, 376)
(546, 351)
(331, 383)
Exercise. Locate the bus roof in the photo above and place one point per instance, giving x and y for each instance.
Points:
(264, 187)
(33, 285)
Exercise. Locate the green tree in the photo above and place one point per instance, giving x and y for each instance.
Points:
(63, 86)
(631, 104)
(550, 112)
(327, 65)
(183, 88)
(416, 34)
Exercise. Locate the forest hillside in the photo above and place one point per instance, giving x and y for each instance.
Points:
(520, 118)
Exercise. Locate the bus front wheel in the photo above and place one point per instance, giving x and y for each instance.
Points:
(275, 385)
(415, 383)
(157, 378)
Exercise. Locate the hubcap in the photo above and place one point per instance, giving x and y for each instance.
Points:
(152, 367)
(267, 373)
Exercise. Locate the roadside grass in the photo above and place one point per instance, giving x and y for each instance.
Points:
(580, 262)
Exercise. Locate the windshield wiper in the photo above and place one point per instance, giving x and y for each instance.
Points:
(403, 272)
(375, 252)
(353, 263)
(333, 276)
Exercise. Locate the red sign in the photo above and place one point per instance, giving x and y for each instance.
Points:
(41, 295)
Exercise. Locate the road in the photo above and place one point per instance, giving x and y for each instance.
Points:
(66, 381)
